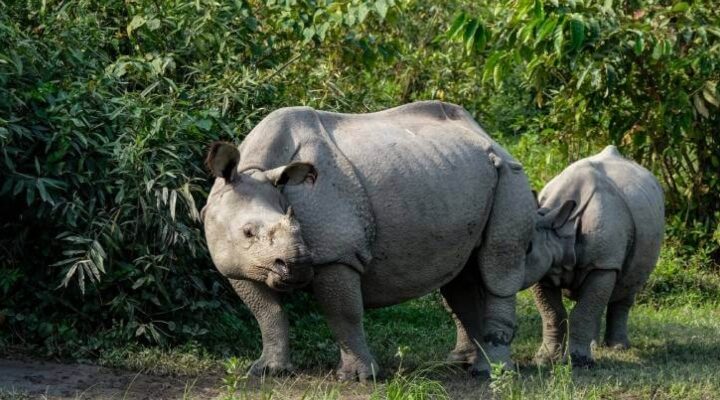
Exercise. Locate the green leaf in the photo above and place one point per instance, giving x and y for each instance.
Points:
(490, 66)
(657, 50)
(546, 28)
(498, 74)
(680, 7)
(44, 195)
(639, 45)
(30, 195)
(538, 9)
(153, 24)
(710, 93)
(382, 8)
(480, 38)
(362, 12)
(700, 106)
(667, 48)
(456, 26)
(577, 34)
(135, 23)
(715, 31)
(204, 124)
(559, 40)
(350, 19)
(308, 34)
(581, 79)
(322, 30)
(469, 34)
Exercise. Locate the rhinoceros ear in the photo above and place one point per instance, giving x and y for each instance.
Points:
(556, 218)
(292, 174)
(222, 159)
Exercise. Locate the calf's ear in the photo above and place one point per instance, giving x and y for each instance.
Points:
(222, 159)
(556, 218)
(292, 174)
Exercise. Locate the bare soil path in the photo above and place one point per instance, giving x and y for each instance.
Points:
(41, 379)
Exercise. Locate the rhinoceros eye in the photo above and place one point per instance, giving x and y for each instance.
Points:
(250, 230)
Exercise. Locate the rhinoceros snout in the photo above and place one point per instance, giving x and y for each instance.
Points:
(291, 273)
(281, 268)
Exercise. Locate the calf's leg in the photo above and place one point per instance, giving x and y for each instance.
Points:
(548, 300)
(616, 331)
(585, 317)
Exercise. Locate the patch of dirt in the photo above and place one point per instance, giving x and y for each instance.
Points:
(79, 381)
(31, 379)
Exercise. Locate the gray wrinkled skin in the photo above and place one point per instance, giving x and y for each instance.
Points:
(387, 207)
(598, 234)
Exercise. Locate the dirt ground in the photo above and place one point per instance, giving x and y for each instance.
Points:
(32, 379)
(40, 379)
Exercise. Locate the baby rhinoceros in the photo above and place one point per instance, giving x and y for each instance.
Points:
(597, 237)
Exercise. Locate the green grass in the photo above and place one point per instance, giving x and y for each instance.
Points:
(675, 354)
(674, 329)
(13, 395)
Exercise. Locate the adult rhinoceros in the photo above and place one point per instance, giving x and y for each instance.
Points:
(372, 210)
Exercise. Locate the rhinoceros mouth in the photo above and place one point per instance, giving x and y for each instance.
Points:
(276, 282)
(285, 277)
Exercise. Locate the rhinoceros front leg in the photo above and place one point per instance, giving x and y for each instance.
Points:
(264, 303)
(338, 291)
(585, 317)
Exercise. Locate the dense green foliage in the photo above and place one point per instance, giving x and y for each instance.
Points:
(106, 108)
(643, 75)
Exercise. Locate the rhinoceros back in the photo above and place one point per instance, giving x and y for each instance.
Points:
(644, 197)
(430, 175)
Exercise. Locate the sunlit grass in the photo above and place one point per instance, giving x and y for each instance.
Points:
(675, 354)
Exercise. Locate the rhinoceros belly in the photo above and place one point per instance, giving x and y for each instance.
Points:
(430, 187)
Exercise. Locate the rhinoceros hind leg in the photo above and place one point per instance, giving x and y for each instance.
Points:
(462, 299)
(498, 331)
(585, 317)
(616, 331)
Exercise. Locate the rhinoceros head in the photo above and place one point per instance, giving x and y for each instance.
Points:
(249, 225)
(552, 242)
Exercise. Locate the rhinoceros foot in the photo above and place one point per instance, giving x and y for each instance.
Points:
(581, 361)
(463, 356)
(264, 366)
(357, 369)
(548, 354)
(618, 344)
(492, 356)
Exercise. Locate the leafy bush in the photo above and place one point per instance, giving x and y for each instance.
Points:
(106, 108)
(640, 74)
